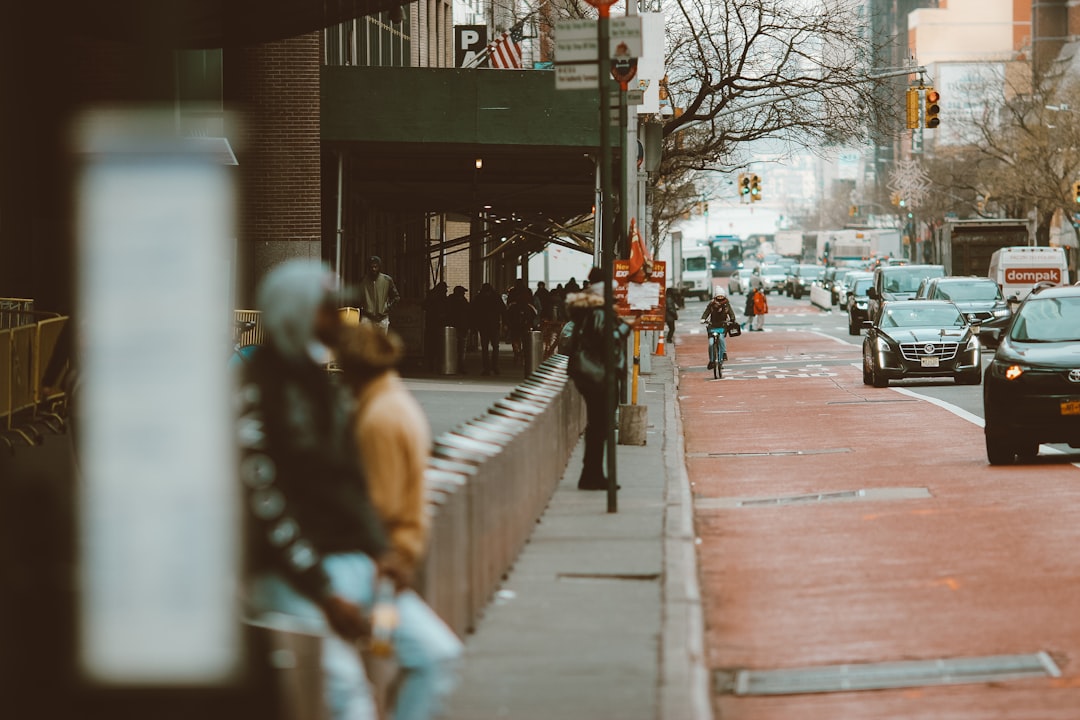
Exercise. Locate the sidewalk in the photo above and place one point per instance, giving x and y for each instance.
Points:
(600, 618)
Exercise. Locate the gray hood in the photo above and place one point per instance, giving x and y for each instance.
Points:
(288, 298)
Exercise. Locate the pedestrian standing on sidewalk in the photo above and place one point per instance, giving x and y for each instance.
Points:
(671, 314)
(394, 439)
(761, 309)
(377, 294)
(587, 313)
(459, 316)
(434, 325)
(488, 310)
(315, 545)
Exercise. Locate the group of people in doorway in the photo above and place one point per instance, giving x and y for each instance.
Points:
(492, 317)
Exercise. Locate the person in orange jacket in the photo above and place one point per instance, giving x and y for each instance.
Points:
(761, 309)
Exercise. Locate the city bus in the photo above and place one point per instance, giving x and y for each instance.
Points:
(727, 254)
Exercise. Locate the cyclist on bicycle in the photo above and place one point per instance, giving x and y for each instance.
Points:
(718, 313)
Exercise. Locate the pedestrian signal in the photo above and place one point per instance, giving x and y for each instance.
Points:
(931, 119)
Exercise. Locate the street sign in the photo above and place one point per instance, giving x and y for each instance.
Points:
(633, 97)
(577, 76)
(577, 40)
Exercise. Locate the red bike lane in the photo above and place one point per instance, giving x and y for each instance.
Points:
(941, 556)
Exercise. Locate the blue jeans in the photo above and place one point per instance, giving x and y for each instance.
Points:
(427, 650)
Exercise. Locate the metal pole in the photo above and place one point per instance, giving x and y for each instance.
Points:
(340, 231)
(603, 230)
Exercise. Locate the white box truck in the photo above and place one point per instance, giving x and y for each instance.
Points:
(1018, 269)
(697, 271)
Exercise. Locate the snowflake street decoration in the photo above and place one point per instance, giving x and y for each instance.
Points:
(910, 182)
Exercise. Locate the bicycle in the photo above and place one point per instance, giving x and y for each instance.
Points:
(717, 351)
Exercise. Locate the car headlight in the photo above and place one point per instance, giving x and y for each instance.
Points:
(860, 305)
(1007, 370)
(882, 344)
(972, 344)
(1003, 312)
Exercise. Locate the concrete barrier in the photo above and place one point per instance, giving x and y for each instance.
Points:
(490, 480)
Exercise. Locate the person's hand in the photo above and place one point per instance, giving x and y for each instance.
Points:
(392, 564)
(346, 618)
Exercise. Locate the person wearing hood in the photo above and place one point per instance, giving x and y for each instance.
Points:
(315, 544)
(377, 294)
(393, 437)
(587, 312)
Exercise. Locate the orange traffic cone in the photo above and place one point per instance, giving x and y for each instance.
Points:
(659, 345)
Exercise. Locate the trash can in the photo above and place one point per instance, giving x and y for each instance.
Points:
(449, 365)
(534, 351)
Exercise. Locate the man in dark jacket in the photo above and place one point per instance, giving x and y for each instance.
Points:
(315, 544)
(459, 316)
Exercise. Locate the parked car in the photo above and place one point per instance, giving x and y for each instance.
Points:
(979, 298)
(920, 338)
(899, 282)
(1031, 392)
(801, 278)
(857, 302)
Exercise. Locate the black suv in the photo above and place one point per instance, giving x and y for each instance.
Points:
(1031, 390)
(899, 282)
(979, 298)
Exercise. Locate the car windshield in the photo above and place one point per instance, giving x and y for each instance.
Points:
(909, 316)
(772, 270)
(862, 285)
(1048, 320)
(966, 292)
(697, 264)
(811, 271)
(908, 279)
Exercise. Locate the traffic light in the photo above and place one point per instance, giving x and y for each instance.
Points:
(755, 188)
(931, 119)
(912, 108)
(853, 210)
(705, 208)
(1076, 192)
(744, 186)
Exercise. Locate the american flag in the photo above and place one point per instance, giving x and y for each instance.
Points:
(506, 51)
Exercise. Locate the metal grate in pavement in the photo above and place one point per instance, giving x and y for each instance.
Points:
(596, 577)
(771, 453)
(868, 494)
(887, 675)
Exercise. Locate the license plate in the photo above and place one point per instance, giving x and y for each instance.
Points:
(930, 362)
(1070, 407)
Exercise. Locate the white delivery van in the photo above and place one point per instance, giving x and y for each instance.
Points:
(1020, 268)
(697, 271)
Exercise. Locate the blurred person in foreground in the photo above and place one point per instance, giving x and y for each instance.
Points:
(315, 544)
(393, 437)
